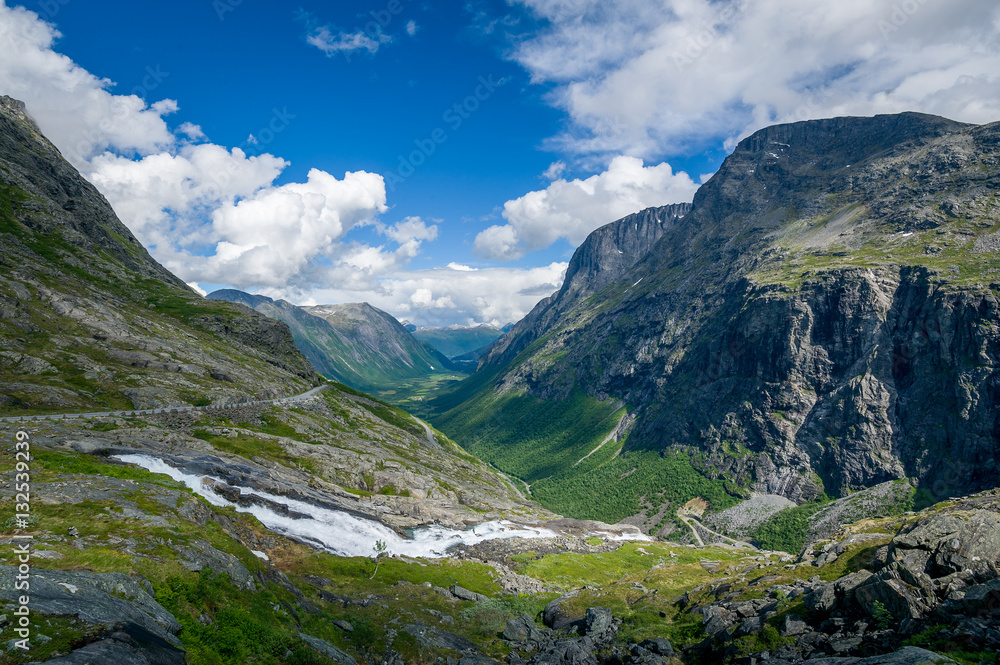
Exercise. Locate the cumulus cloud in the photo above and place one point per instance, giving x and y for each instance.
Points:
(572, 209)
(498, 295)
(73, 106)
(654, 79)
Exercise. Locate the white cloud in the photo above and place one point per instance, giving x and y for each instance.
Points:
(555, 170)
(72, 105)
(572, 209)
(346, 42)
(653, 79)
(459, 267)
(192, 131)
(197, 288)
(411, 28)
(443, 296)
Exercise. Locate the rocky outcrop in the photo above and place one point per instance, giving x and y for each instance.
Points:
(814, 323)
(108, 600)
(607, 255)
(940, 571)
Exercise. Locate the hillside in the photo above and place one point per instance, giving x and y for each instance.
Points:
(822, 320)
(356, 344)
(89, 321)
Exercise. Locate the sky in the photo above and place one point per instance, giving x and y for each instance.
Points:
(442, 160)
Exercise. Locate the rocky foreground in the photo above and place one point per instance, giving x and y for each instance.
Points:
(133, 568)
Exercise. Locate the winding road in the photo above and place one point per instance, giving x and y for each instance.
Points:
(309, 394)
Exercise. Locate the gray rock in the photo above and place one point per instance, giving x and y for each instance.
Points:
(598, 623)
(523, 629)
(439, 639)
(94, 598)
(901, 600)
(202, 555)
(464, 594)
(748, 627)
(791, 626)
(556, 617)
(659, 646)
(336, 655)
(131, 645)
(343, 625)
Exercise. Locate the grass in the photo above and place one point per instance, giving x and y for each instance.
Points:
(251, 447)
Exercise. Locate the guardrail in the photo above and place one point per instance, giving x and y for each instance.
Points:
(171, 409)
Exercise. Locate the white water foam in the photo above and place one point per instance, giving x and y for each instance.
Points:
(339, 532)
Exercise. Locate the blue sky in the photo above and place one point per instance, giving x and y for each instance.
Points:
(443, 160)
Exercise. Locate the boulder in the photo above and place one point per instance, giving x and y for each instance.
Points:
(792, 625)
(95, 598)
(464, 594)
(523, 629)
(131, 645)
(659, 646)
(558, 618)
(902, 601)
(598, 623)
(333, 653)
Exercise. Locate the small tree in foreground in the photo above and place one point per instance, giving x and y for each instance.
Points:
(379, 548)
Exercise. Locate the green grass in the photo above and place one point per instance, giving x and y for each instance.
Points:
(251, 447)
(547, 443)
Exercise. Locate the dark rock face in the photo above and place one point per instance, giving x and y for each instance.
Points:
(101, 600)
(132, 645)
(828, 308)
(604, 257)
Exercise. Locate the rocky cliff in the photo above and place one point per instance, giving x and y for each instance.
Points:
(822, 320)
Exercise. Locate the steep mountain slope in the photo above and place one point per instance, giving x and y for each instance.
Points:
(825, 318)
(89, 320)
(454, 341)
(355, 343)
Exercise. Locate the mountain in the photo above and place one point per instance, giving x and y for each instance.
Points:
(89, 321)
(356, 344)
(823, 319)
(334, 529)
(455, 341)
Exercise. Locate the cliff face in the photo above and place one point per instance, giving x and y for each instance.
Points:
(605, 256)
(825, 317)
(90, 321)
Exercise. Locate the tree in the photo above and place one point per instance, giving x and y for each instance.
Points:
(379, 548)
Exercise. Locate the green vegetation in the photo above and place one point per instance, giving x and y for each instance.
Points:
(563, 450)
(787, 530)
(251, 447)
